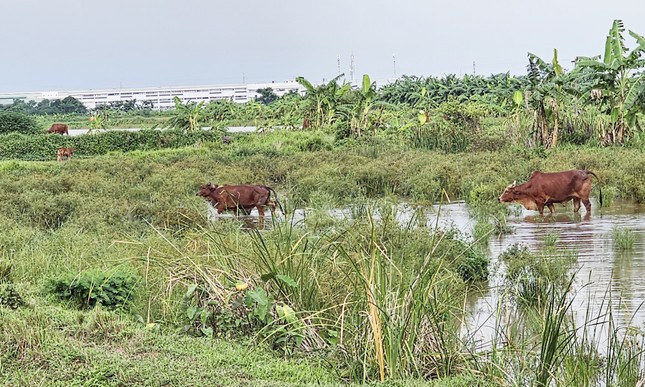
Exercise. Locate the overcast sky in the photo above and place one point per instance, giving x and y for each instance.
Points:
(89, 44)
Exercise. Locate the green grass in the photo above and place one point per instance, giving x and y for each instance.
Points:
(48, 344)
(372, 298)
(624, 239)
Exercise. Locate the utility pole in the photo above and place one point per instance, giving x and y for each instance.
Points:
(351, 68)
(474, 72)
(338, 64)
(394, 64)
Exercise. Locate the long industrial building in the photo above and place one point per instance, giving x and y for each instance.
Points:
(162, 98)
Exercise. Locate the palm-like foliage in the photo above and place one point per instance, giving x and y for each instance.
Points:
(323, 101)
(544, 95)
(616, 82)
(364, 102)
(187, 116)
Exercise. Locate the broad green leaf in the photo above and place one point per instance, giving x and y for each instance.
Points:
(287, 280)
(422, 117)
(191, 312)
(208, 332)
(191, 289)
(366, 83)
(518, 97)
(285, 312)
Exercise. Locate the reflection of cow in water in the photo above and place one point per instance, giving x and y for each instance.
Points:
(64, 153)
(545, 189)
(240, 198)
(58, 128)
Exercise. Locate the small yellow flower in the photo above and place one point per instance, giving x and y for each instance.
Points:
(240, 286)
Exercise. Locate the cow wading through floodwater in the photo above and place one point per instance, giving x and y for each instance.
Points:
(545, 189)
(240, 198)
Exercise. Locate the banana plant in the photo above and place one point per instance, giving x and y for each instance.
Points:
(616, 81)
(323, 100)
(186, 116)
(544, 95)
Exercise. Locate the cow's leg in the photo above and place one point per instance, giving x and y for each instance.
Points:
(260, 210)
(576, 204)
(551, 207)
(587, 204)
(540, 206)
(271, 208)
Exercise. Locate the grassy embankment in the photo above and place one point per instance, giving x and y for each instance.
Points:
(373, 299)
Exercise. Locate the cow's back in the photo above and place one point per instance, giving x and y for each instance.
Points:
(559, 186)
(243, 195)
(58, 128)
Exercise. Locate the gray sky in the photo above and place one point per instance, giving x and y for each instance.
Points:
(91, 44)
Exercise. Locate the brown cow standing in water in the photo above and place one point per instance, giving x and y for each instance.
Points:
(64, 153)
(242, 198)
(58, 128)
(545, 189)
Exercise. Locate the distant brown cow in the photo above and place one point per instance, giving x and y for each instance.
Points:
(545, 189)
(58, 128)
(64, 153)
(242, 198)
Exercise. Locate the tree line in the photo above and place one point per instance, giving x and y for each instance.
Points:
(601, 101)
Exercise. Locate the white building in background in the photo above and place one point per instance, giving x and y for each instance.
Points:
(162, 98)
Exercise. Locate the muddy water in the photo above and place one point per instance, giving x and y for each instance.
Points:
(603, 272)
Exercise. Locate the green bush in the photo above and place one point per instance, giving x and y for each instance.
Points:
(88, 289)
(17, 122)
(9, 296)
(43, 147)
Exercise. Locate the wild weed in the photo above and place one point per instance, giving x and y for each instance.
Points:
(623, 238)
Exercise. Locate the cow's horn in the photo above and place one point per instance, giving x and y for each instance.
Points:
(514, 181)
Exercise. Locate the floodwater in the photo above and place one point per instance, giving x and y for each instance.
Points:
(601, 271)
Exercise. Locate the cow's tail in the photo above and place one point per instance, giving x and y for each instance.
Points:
(599, 186)
(275, 194)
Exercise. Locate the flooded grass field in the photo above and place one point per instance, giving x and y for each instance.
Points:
(608, 278)
(605, 273)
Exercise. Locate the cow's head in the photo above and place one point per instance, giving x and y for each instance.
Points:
(510, 194)
(207, 189)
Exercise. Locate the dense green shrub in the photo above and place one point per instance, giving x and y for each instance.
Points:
(43, 147)
(9, 296)
(17, 122)
(88, 289)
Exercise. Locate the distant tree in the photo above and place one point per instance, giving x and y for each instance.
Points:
(70, 105)
(67, 105)
(266, 96)
(19, 106)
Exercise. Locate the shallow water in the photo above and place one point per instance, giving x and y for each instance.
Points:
(602, 271)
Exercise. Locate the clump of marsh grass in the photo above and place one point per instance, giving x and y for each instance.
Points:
(529, 275)
(550, 239)
(624, 239)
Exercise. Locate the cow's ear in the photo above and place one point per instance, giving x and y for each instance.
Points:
(514, 182)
